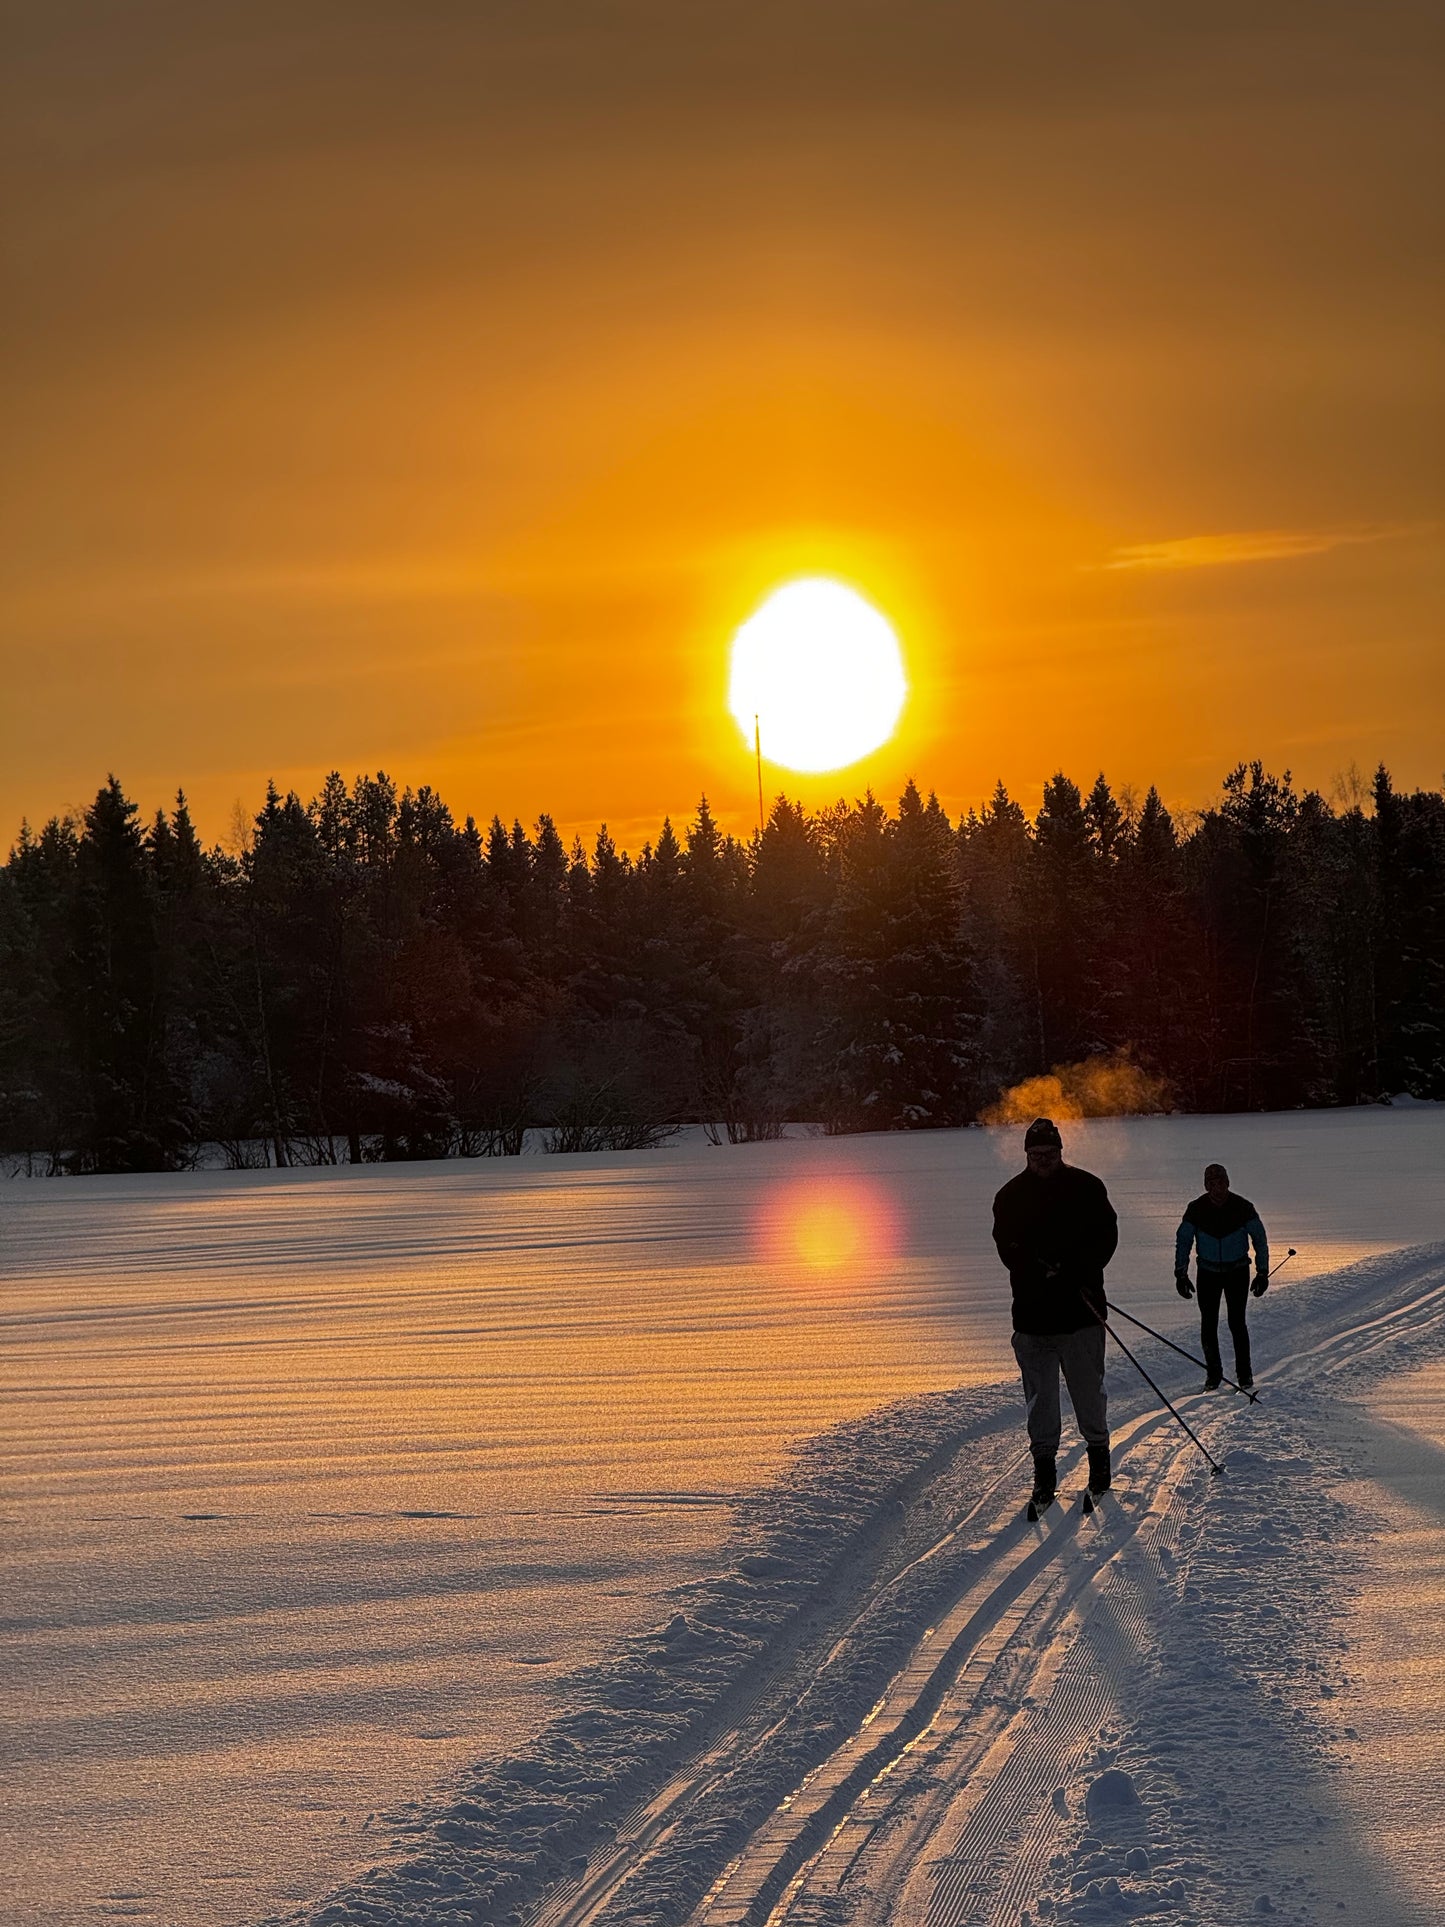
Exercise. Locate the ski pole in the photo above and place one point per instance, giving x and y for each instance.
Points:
(1215, 1467)
(1290, 1253)
(1120, 1312)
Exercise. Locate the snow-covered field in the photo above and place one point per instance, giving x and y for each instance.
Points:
(379, 1519)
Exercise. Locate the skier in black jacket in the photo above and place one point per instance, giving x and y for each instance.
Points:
(1056, 1230)
(1222, 1226)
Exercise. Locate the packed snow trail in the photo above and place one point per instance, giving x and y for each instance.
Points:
(903, 1703)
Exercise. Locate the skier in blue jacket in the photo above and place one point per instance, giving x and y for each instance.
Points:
(1221, 1226)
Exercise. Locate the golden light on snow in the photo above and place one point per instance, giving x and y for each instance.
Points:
(821, 671)
(830, 1224)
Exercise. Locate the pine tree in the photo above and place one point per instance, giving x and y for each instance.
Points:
(1063, 905)
(1104, 820)
(895, 975)
(1409, 961)
(579, 884)
(545, 900)
(1261, 810)
(994, 853)
(1157, 938)
(45, 1077)
(1333, 909)
(130, 1116)
(362, 970)
(32, 1045)
(331, 813)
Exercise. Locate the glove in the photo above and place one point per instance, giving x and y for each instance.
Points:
(1260, 1285)
(1183, 1284)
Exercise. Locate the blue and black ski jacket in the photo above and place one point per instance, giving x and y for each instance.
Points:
(1223, 1234)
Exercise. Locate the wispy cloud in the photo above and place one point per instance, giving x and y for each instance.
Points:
(1243, 545)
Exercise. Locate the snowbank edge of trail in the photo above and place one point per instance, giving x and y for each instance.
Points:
(863, 1534)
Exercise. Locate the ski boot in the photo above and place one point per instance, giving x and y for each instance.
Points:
(1045, 1485)
(1099, 1475)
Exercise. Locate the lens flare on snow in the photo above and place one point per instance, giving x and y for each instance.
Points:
(829, 1226)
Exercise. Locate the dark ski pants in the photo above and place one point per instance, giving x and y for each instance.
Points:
(1080, 1357)
(1232, 1286)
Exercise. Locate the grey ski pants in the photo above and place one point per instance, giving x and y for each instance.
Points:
(1080, 1357)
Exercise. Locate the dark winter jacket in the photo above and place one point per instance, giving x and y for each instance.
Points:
(1056, 1235)
(1222, 1233)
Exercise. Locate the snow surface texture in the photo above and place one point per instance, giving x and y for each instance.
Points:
(323, 1484)
(888, 1712)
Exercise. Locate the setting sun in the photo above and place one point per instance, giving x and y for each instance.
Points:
(822, 672)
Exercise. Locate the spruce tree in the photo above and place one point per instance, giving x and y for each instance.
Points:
(1156, 941)
(131, 1115)
(1409, 962)
(1064, 902)
(993, 854)
(895, 977)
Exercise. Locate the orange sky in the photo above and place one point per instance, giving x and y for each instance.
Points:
(436, 386)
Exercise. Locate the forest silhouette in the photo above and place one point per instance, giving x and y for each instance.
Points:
(365, 978)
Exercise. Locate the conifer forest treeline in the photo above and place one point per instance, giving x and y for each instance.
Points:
(367, 978)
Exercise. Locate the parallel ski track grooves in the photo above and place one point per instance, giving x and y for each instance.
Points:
(1012, 1816)
(974, 1747)
(1044, 1758)
(995, 1862)
(1380, 1328)
(807, 1824)
(803, 1847)
(1018, 1794)
(964, 1754)
(580, 1901)
(779, 1861)
(648, 1826)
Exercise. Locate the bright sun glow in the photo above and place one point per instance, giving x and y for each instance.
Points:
(823, 673)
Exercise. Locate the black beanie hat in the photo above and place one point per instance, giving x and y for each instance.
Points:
(1043, 1130)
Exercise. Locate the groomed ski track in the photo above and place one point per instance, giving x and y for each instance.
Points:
(942, 1724)
(954, 1791)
